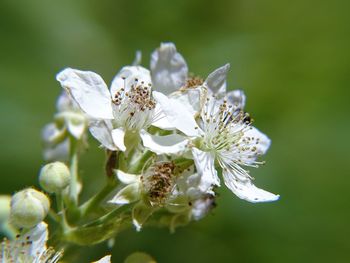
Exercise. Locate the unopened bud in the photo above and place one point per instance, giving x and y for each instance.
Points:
(4, 207)
(29, 207)
(54, 177)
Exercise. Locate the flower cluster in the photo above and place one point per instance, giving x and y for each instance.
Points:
(168, 137)
(177, 118)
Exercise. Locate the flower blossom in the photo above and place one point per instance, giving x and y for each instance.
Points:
(120, 113)
(219, 133)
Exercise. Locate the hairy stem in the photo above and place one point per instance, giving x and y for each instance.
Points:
(73, 187)
(62, 213)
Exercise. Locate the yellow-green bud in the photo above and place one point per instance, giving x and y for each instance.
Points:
(54, 177)
(28, 208)
(4, 207)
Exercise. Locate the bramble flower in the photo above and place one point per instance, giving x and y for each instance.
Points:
(221, 133)
(128, 107)
(29, 247)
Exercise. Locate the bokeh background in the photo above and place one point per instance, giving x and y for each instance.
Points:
(292, 59)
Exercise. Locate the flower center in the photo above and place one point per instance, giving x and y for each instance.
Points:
(223, 124)
(134, 105)
(193, 82)
(158, 182)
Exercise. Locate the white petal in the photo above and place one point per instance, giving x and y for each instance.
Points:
(89, 91)
(258, 140)
(118, 138)
(169, 69)
(38, 237)
(106, 259)
(177, 115)
(205, 167)
(161, 121)
(76, 124)
(127, 178)
(128, 76)
(202, 206)
(102, 131)
(138, 58)
(66, 103)
(169, 144)
(216, 81)
(236, 98)
(52, 135)
(127, 195)
(246, 189)
(190, 99)
(59, 152)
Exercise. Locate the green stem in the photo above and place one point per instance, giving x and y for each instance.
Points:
(62, 213)
(73, 189)
(54, 216)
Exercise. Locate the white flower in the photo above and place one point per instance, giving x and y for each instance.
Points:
(128, 107)
(68, 119)
(222, 134)
(29, 247)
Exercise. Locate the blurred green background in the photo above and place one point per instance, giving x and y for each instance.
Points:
(292, 59)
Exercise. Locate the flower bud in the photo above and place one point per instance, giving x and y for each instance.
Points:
(54, 177)
(4, 207)
(28, 208)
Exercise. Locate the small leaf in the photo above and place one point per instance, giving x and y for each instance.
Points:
(127, 195)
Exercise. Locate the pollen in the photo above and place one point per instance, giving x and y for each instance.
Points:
(193, 82)
(134, 104)
(159, 182)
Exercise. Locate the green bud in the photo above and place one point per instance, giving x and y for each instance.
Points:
(54, 177)
(5, 201)
(28, 208)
